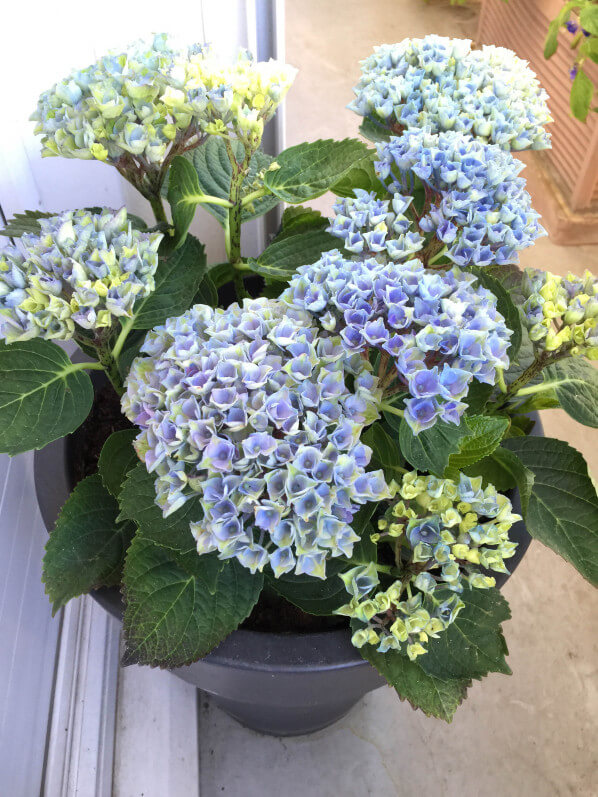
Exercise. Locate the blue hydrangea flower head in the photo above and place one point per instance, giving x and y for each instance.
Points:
(438, 330)
(251, 410)
(442, 84)
(479, 207)
(82, 270)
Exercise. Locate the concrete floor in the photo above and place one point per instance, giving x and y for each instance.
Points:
(531, 733)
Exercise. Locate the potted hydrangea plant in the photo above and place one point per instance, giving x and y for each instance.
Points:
(330, 460)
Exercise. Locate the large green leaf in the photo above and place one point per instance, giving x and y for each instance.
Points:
(472, 645)
(117, 458)
(43, 395)
(430, 450)
(177, 280)
(309, 170)
(175, 613)
(285, 255)
(364, 551)
(385, 451)
(137, 501)
(86, 549)
(434, 697)
(299, 218)
(214, 171)
(588, 18)
(505, 306)
(374, 131)
(313, 595)
(575, 382)
(486, 433)
(563, 506)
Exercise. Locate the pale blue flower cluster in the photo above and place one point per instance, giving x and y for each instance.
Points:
(82, 269)
(439, 329)
(442, 84)
(249, 409)
(368, 227)
(156, 99)
(446, 532)
(479, 206)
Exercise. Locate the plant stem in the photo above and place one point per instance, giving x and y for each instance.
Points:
(158, 209)
(528, 391)
(391, 409)
(120, 341)
(542, 360)
(260, 192)
(233, 223)
(87, 367)
(437, 256)
(207, 199)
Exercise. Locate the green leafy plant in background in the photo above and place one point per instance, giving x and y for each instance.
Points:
(345, 433)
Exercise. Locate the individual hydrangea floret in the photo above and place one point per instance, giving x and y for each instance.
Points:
(136, 109)
(446, 531)
(81, 270)
(561, 313)
(442, 84)
(437, 330)
(479, 208)
(249, 409)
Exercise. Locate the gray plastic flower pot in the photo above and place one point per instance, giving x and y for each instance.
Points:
(279, 684)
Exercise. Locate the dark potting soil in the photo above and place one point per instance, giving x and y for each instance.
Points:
(271, 613)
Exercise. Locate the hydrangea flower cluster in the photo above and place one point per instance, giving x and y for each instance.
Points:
(480, 209)
(562, 311)
(447, 531)
(153, 100)
(249, 409)
(438, 328)
(369, 228)
(442, 84)
(82, 270)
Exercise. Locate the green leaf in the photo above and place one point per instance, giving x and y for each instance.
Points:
(505, 306)
(221, 273)
(365, 550)
(309, 170)
(385, 452)
(177, 614)
(207, 292)
(563, 506)
(117, 457)
(25, 222)
(575, 382)
(283, 257)
(486, 434)
(137, 501)
(214, 171)
(313, 595)
(87, 546)
(589, 48)
(374, 131)
(552, 42)
(298, 218)
(588, 19)
(505, 471)
(434, 697)
(430, 450)
(177, 279)
(183, 193)
(43, 395)
(582, 90)
(362, 175)
(477, 397)
(473, 645)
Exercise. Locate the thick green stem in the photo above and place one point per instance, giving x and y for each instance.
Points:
(514, 389)
(260, 192)
(233, 222)
(207, 199)
(158, 209)
(120, 341)
(391, 409)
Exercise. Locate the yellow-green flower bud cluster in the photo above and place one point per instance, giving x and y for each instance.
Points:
(153, 101)
(82, 270)
(445, 533)
(562, 312)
